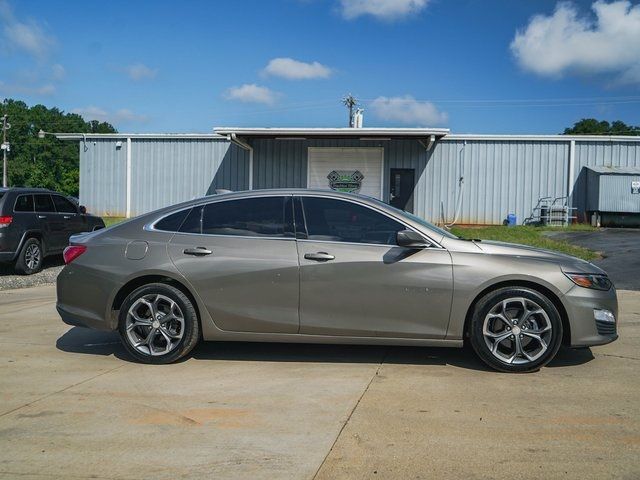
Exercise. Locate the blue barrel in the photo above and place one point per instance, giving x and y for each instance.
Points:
(512, 220)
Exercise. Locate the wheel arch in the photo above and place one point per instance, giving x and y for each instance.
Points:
(142, 280)
(552, 296)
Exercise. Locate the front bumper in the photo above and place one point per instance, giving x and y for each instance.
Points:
(585, 331)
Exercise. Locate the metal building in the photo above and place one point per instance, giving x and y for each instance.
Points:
(613, 195)
(472, 179)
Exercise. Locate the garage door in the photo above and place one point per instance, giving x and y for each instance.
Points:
(357, 170)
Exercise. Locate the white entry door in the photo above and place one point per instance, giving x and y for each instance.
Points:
(349, 169)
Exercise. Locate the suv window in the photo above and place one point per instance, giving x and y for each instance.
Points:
(63, 205)
(252, 217)
(24, 203)
(44, 203)
(340, 221)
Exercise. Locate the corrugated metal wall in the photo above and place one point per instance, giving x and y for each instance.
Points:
(103, 178)
(501, 176)
(164, 171)
(168, 171)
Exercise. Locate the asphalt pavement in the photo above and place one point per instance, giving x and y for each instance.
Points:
(620, 249)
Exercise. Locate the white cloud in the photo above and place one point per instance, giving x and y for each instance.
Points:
(139, 71)
(382, 9)
(409, 111)
(24, 36)
(92, 112)
(295, 70)
(58, 72)
(21, 89)
(252, 93)
(567, 43)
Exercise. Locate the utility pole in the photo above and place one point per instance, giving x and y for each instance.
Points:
(350, 101)
(5, 149)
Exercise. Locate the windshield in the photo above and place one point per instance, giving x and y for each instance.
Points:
(418, 220)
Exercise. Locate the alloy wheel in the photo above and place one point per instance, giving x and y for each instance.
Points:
(517, 331)
(32, 256)
(154, 325)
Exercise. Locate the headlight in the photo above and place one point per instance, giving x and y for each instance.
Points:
(588, 280)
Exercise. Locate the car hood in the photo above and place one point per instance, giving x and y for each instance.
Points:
(566, 262)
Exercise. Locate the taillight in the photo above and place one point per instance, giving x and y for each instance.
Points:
(72, 252)
(5, 221)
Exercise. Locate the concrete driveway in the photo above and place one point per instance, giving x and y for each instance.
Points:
(73, 406)
(621, 252)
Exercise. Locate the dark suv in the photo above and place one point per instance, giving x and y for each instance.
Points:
(35, 223)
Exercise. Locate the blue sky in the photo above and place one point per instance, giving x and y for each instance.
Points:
(479, 66)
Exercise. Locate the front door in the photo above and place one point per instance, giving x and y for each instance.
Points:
(241, 258)
(401, 189)
(356, 281)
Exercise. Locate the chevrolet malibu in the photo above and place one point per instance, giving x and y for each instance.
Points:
(327, 267)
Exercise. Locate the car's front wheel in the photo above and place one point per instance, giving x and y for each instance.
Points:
(158, 324)
(516, 329)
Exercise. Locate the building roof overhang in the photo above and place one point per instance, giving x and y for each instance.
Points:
(315, 133)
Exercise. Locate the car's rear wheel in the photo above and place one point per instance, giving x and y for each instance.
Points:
(158, 324)
(30, 258)
(516, 329)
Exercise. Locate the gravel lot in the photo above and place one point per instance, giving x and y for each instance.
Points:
(9, 280)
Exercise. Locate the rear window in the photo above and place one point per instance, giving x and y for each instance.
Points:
(251, 217)
(171, 223)
(24, 203)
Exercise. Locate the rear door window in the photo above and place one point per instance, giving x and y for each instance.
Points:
(43, 203)
(340, 221)
(249, 217)
(24, 203)
(63, 205)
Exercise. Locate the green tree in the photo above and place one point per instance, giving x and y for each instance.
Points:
(45, 162)
(591, 126)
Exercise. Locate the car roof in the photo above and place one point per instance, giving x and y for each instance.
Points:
(27, 190)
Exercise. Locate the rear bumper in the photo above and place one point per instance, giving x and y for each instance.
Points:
(81, 318)
(585, 330)
(83, 298)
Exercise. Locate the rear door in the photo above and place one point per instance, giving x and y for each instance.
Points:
(241, 257)
(52, 227)
(355, 280)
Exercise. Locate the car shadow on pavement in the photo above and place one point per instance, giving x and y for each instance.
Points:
(92, 342)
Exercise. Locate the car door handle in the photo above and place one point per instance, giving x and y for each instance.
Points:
(197, 251)
(319, 256)
(42, 216)
(66, 217)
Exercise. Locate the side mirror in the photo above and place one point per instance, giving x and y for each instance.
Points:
(411, 239)
(82, 209)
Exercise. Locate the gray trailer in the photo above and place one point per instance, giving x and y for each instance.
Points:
(613, 196)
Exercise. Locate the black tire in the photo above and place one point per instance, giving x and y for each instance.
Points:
(30, 257)
(189, 330)
(487, 314)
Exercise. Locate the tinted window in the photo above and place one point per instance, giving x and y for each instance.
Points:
(254, 217)
(63, 205)
(43, 203)
(24, 203)
(340, 221)
(193, 222)
(172, 222)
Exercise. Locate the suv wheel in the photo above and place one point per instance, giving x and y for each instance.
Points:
(30, 257)
(516, 329)
(158, 324)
